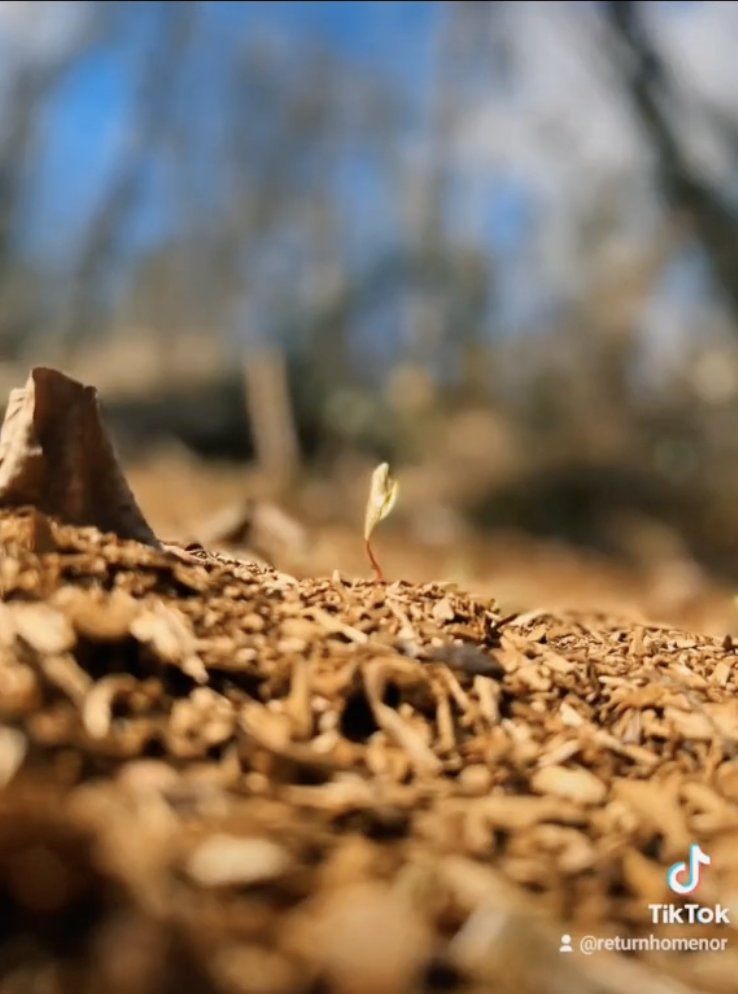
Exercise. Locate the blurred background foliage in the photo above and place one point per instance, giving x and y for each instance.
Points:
(493, 242)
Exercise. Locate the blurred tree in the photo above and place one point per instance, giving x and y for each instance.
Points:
(161, 61)
(29, 81)
(704, 210)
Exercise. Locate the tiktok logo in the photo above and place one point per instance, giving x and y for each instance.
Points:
(684, 878)
(690, 871)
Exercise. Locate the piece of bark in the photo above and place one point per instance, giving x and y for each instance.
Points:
(55, 455)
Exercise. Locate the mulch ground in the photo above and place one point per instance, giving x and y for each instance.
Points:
(216, 778)
(220, 779)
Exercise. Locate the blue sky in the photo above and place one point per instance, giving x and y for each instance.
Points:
(87, 123)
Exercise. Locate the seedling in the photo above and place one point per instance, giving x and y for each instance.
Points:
(382, 498)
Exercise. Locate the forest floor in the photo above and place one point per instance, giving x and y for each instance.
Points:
(235, 777)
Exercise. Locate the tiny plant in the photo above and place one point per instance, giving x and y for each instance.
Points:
(382, 498)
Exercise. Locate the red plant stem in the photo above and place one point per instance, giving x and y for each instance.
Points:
(378, 574)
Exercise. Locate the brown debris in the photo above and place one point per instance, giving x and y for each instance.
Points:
(258, 529)
(314, 760)
(364, 939)
(217, 778)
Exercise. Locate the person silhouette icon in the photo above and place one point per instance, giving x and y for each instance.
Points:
(565, 946)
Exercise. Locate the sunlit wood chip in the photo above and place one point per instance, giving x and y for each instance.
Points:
(168, 633)
(106, 619)
(574, 785)
(43, 628)
(227, 860)
(13, 748)
(97, 709)
(443, 611)
(693, 726)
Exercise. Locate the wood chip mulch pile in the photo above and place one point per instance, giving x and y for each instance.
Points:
(215, 778)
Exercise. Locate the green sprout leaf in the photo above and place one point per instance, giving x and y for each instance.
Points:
(382, 498)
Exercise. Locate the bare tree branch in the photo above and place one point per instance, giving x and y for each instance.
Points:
(647, 82)
(161, 66)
